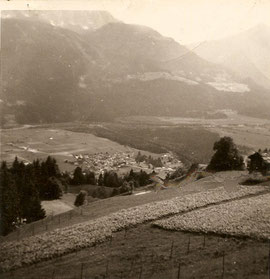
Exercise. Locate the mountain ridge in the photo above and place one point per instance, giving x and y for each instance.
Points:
(54, 74)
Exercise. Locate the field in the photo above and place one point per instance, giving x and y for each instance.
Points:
(147, 252)
(253, 133)
(191, 139)
(247, 217)
(72, 238)
(37, 142)
(62, 205)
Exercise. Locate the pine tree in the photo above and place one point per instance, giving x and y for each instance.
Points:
(9, 201)
(90, 178)
(78, 177)
(100, 180)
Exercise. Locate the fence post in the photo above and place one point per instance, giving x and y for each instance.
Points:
(81, 270)
(141, 271)
(179, 270)
(107, 268)
(223, 264)
(188, 244)
(131, 266)
(269, 261)
(171, 254)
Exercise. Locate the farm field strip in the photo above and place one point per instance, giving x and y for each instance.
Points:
(61, 241)
(247, 217)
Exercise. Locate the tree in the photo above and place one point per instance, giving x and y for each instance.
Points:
(9, 201)
(51, 190)
(90, 178)
(80, 198)
(100, 180)
(226, 156)
(30, 201)
(78, 177)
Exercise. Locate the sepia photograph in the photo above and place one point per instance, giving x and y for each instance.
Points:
(135, 139)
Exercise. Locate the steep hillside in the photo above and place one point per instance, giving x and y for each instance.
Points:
(42, 67)
(247, 54)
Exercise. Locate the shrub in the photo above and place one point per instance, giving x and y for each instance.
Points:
(80, 198)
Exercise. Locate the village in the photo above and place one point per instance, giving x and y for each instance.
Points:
(123, 162)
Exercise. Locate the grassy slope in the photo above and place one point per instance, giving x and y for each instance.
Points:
(101, 208)
(244, 258)
(148, 250)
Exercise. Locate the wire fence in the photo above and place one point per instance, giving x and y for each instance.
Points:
(43, 225)
(176, 258)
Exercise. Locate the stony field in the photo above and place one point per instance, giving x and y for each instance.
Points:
(249, 217)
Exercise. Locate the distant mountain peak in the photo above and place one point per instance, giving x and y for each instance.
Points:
(78, 20)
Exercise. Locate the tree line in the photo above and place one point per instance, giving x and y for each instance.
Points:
(109, 178)
(24, 186)
(22, 189)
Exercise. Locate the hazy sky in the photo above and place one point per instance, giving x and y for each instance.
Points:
(187, 21)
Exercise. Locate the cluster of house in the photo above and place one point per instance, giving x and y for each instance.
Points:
(104, 161)
(260, 160)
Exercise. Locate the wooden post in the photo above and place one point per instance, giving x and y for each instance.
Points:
(81, 270)
(223, 265)
(141, 271)
(171, 254)
(269, 261)
(131, 265)
(107, 268)
(179, 270)
(188, 244)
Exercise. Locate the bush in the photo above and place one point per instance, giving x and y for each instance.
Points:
(80, 198)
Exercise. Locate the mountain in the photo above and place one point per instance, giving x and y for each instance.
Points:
(41, 69)
(77, 21)
(52, 74)
(247, 54)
